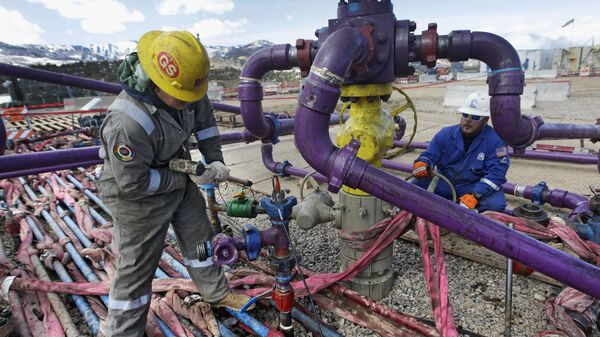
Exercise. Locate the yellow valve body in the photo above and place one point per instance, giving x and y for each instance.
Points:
(368, 123)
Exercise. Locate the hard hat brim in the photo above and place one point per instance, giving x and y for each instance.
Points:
(474, 112)
(145, 57)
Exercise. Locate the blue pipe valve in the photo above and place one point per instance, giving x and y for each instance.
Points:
(252, 241)
(589, 231)
(279, 209)
(538, 192)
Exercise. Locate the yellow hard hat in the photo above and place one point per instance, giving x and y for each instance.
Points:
(176, 62)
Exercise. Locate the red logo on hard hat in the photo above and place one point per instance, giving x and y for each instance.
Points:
(167, 64)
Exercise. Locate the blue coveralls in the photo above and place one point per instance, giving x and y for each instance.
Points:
(481, 170)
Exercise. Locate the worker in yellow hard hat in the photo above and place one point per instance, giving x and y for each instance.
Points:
(163, 102)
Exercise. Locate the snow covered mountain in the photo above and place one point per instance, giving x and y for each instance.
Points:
(29, 54)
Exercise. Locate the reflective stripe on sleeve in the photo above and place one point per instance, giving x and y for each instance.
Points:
(490, 183)
(207, 133)
(142, 119)
(128, 305)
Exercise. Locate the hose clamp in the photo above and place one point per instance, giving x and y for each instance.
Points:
(276, 127)
(280, 168)
(341, 165)
(519, 190)
(537, 193)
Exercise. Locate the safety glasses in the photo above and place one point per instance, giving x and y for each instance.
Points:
(472, 117)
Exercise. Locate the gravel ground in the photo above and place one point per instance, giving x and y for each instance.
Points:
(476, 291)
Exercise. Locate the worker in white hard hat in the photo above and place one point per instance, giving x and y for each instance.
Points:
(162, 104)
(471, 155)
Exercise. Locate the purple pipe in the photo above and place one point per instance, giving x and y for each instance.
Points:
(570, 131)
(39, 162)
(505, 86)
(557, 198)
(250, 92)
(287, 128)
(79, 82)
(2, 137)
(226, 108)
(341, 166)
(19, 162)
(284, 168)
(43, 169)
(540, 155)
(58, 78)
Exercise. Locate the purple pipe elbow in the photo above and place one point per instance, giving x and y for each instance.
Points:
(276, 57)
(274, 236)
(250, 92)
(505, 83)
(288, 169)
(321, 91)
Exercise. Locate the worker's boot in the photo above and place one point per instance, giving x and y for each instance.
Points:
(234, 301)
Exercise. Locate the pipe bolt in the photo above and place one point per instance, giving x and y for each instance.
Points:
(362, 212)
(381, 38)
(412, 26)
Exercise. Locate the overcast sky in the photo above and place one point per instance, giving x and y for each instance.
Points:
(527, 24)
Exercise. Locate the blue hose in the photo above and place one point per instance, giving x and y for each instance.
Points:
(176, 265)
(159, 273)
(311, 325)
(80, 301)
(89, 193)
(249, 321)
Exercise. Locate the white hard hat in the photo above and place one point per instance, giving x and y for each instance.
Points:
(478, 104)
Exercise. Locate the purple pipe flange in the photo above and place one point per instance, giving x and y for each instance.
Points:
(224, 250)
(320, 93)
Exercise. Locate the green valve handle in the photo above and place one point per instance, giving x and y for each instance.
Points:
(242, 208)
